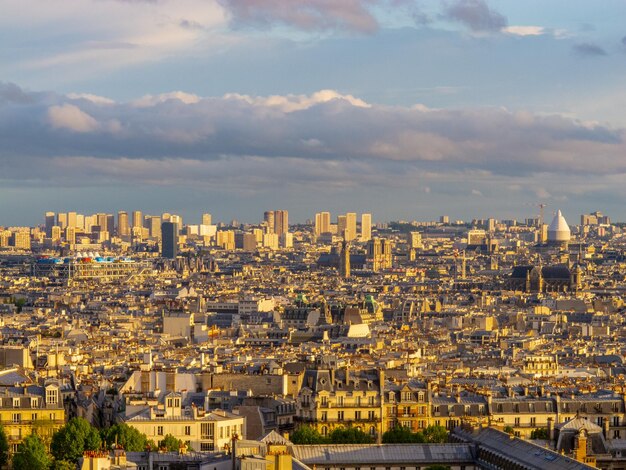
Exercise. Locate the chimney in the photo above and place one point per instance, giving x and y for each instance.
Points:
(551, 429)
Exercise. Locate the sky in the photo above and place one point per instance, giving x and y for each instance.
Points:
(408, 109)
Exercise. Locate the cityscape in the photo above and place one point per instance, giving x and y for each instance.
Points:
(471, 344)
(312, 235)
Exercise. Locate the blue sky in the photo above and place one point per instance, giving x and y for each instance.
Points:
(408, 109)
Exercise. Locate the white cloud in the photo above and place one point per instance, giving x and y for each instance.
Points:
(290, 103)
(68, 116)
(525, 30)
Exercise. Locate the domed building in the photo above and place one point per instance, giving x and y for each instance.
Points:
(559, 233)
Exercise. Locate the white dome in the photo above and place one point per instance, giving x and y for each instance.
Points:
(559, 231)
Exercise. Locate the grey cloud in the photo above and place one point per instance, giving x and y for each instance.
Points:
(57, 135)
(308, 15)
(476, 15)
(624, 41)
(587, 49)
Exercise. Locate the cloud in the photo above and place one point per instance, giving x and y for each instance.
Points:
(624, 41)
(525, 30)
(325, 138)
(476, 15)
(290, 103)
(70, 117)
(587, 49)
(307, 15)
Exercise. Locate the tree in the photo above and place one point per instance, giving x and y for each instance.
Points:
(402, 435)
(127, 437)
(62, 465)
(170, 443)
(349, 435)
(435, 434)
(307, 435)
(31, 455)
(4, 448)
(77, 436)
(509, 430)
(539, 433)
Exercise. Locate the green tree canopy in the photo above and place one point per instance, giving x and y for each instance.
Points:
(509, 430)
(62, 465)
(307, 435)
(402, 435)
(31, 455)
(127, 437)
(539, 433)
(170, 443)
(349, 435)
(435, 434)
(4, 448)
(77, 436)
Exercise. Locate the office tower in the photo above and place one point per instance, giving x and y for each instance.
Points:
(80, 221)
(91, 221)
(322, 223)
(268, 218)
(21, 240)
(270, 240)
(70, 235)
(71, 219)
(344, 260)
(366, 227)
(50, 219)
(55, 234)
(177, 219)
(153, 224)
(444, 219)
(169, 244)
(249, 242)
(415, 240)
(123, 230)
(341, 225)
(62, 220)
(225, 239)
(351, 226)
(207, 219)
(110, 224)
(137, 219)
(281, 222)
(286, 240)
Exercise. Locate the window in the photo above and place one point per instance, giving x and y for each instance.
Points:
(371, 415)
(517, 420)
(370, 401)
(16, 403)
(207, 430)
(324, 431)
(187, 430)
(53, 416)
(615, 420)
(33, 416)
(52, 396)
(159, 430)
(533, 421)
(339, 401)
(340, 415)
(324, 400)
(16, 417)
(206, 446)
(324, 415)
(357, 415)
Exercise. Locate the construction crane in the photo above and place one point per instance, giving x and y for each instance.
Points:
(541, 208)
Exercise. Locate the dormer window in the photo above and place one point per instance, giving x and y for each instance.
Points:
(16, 402)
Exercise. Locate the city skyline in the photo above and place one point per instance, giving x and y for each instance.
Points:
(471, 108)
